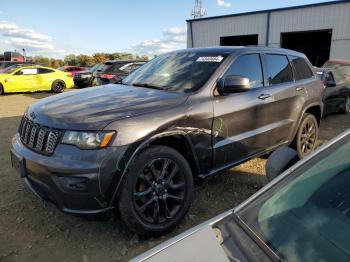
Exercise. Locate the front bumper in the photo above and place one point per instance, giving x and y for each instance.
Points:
(76, 181)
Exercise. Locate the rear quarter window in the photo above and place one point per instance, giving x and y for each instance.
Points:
(302, 69)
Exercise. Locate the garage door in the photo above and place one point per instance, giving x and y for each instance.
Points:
(316, 45)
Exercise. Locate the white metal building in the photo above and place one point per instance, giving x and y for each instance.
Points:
(321, 31)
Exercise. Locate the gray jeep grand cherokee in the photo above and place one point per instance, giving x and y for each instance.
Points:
(138, 147)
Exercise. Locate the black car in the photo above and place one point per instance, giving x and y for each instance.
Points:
(184, 116)
(303, 215)
(85, 78)
(114, 71)
(336, 96)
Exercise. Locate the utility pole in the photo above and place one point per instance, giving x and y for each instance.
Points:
(198, 10)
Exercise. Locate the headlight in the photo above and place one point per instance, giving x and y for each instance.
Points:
(88, 140)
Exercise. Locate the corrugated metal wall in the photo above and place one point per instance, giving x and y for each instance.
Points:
(334, 16)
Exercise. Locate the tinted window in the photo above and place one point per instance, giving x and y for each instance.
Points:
(44, 71)
(248, 66)
(302, 69)
(279, 69)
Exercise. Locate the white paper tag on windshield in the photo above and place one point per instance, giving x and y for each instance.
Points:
(210, 59)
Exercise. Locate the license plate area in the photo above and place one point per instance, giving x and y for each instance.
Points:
(18, 163)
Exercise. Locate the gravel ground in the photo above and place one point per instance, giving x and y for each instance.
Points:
(32, 230)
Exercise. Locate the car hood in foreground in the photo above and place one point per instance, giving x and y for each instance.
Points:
(93, 108)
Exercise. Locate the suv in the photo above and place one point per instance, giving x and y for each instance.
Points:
(84, 78)
(139, 146)
(114, 71)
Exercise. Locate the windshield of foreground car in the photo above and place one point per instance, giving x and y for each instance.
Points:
(180, 72)
(306, 216)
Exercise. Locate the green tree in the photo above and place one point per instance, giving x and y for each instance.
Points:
(100, 57)
(85, 60)
(44, 61)
(71, 60)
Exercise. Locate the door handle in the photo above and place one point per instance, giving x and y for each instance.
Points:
(299, 89)
(264, 96)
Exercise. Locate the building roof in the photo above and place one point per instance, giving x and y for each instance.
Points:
(272, 10)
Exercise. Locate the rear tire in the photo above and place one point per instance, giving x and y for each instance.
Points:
(157, 191)
(58, 86)
(345, 109)
(1, 90)
(307, 135)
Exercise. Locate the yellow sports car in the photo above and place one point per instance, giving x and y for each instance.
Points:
(34, 78)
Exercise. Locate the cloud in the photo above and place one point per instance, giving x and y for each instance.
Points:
(16, 37)
(223, 3)
(173, 38)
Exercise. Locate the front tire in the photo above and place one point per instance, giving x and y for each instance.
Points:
(345, 109)
(157, 191)
(307, 135)
(58, 86)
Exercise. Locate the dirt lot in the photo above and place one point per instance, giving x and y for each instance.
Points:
(32, 230)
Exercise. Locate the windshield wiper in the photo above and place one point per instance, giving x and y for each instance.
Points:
(147, 86)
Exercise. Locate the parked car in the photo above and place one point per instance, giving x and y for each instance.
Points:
(72, 69)
(183, 116)
(336, 96)
(84, 78)
(303, 215)
(6, 64)
(342, 65)
(114, 71)
(34, 78)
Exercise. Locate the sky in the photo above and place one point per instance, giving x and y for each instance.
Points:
(144, 27)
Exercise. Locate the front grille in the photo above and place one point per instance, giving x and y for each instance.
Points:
(77, 76)
(39, 138)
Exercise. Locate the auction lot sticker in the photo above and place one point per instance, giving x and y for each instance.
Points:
(210, 59)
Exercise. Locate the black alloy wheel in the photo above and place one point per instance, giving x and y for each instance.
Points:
(157, 191)
(307, 135)
(58, 86)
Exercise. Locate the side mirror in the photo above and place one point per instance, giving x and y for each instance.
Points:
(233, 84)
(330, 84)
(279, 161)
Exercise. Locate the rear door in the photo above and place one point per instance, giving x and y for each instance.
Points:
(287, 98)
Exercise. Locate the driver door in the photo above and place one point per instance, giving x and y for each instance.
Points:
(24, 80)
(238, 117)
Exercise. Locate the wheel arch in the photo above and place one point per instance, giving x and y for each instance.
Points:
(177, 140)
(316, 111)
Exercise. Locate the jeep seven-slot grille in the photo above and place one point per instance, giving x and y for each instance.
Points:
(40, 139)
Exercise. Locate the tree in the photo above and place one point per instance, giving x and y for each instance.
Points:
(44, 61)
(85, 60)
(71, 60)
(56, 63)
(100, 57)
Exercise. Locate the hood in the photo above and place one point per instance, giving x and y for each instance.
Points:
(201, 245)
(93, 108)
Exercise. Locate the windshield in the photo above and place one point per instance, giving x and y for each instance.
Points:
(306, 216)
(10, 69)
(181, 72)
(96, 67)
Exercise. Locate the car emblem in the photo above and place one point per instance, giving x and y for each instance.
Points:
(32, 115)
